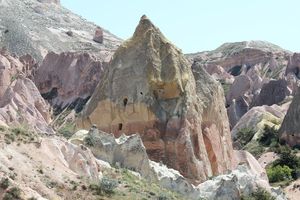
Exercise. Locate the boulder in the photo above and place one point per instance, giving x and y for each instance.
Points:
(98, 37)
(149, 88)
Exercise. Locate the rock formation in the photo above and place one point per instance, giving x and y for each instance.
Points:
(252, 64)
(272, 92)
(233, 57)
(255, 120)
(35, 28)
(50, 1)
(69, 79)
(294, 65)
(129, 152)
(20, 100)
(289, 130)
(98, 37)
(150, 89)
(38, 169)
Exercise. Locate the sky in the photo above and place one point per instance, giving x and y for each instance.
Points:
(198, 25)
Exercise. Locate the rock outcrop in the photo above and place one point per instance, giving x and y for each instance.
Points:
(240, 182)
(69, 79)
(289, 130)
(294, 65)
(39, 169)
(35, 28)
(252, 64)
(178, 112)
(126, 151)
(50, 1)
(98, 37)
(23, 104)
(256, 119)
(234, 57)
(20, 100)
(272, 92)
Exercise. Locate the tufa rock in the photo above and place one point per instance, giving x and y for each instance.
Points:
(290, 128)
(98, 37)
(68, 79)
(150, 89)
(294, 65)
(272, 92)
(20, 100)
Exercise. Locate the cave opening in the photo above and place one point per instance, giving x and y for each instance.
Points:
(125, 101)
(120, 126)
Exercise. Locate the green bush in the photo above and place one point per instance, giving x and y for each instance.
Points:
(88, 140)
(269, 137)
(259, 194)
(4, 183)
(279, 173)
(67, 130)
(108, 185)
(255, 148)
(12, 194)
(288, 158)
(105, 186)
(245, 135)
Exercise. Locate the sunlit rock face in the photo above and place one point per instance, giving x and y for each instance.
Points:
(20, 100)
(150, 89)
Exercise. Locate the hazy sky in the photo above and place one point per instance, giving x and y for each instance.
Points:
(197, 25)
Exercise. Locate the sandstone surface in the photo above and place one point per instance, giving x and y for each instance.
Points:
(178, 112)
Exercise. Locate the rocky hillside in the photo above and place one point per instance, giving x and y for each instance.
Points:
(84, 115)
(253, 73)
(36, 27)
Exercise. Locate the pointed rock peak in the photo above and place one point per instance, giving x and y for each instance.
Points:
(144, 26)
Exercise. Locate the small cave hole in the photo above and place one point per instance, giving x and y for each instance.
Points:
(120, 126)
(125, 101)
(141, 93)
(6, 31)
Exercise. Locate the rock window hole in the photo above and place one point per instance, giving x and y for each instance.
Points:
(120, 126)
(125, 101)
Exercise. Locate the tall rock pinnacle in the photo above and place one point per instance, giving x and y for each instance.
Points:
(150, 88)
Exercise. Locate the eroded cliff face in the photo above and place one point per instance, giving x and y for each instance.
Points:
(20, 100)
(150, 89)
(69, 79)
(290, 127)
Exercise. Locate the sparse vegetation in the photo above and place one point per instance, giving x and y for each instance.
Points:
(13, 193)
(226, 86)
(106, 186)
(19, 133)
(259, 194)
(88, 140)
(4, 183)
(245, 135)
(67, 130)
